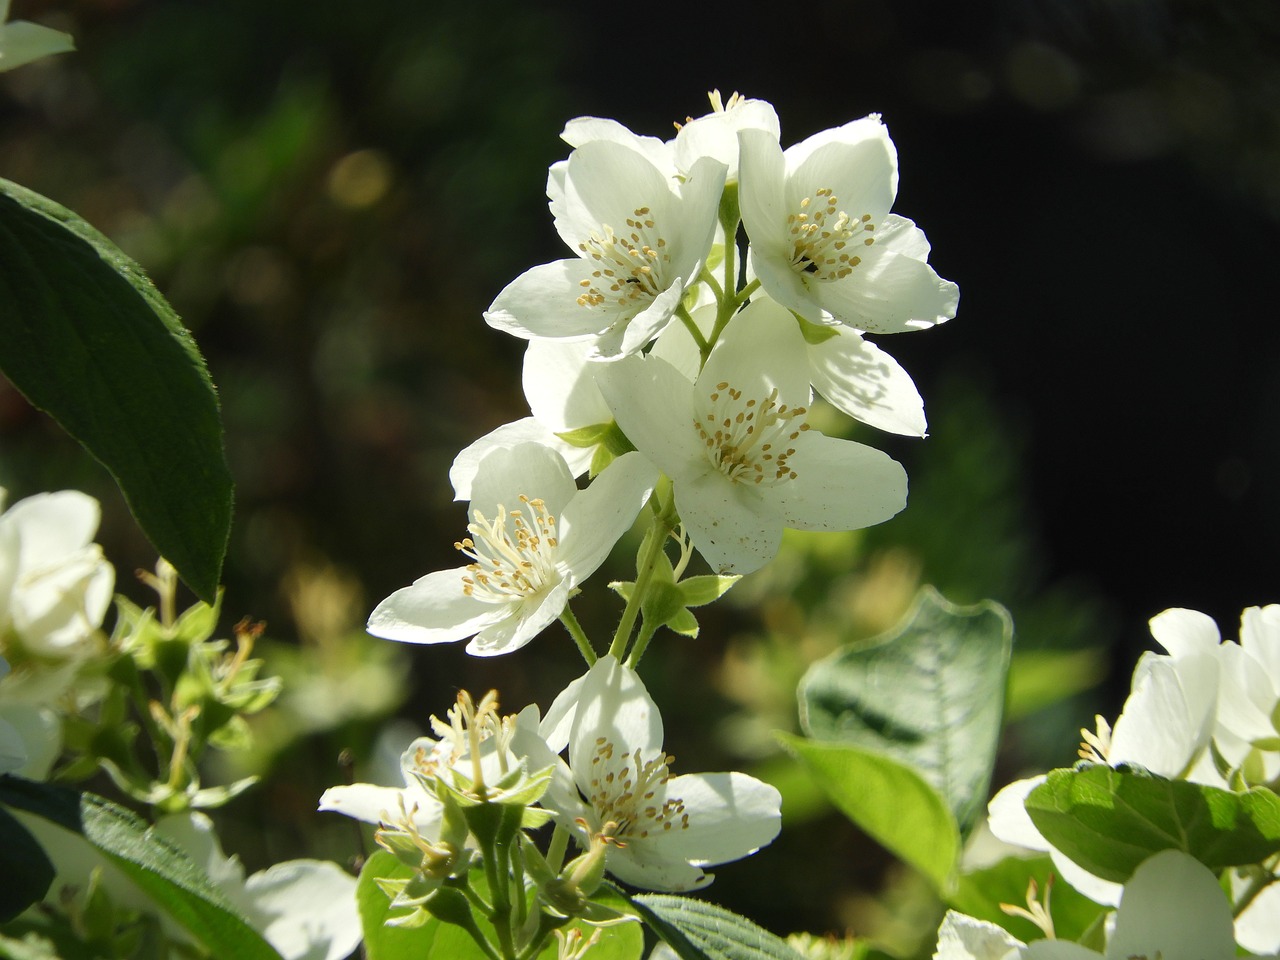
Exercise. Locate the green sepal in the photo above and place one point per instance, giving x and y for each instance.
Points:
(683, 623)
(450, 905)
(701, 590)
(815, 333)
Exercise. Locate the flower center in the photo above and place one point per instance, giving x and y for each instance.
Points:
(820, 232)
(629, 268)
(514, 555)
(625, 791)
(749, 440)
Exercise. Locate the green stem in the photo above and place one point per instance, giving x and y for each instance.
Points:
(1259, 883)
(557, 848)
(692, 327)
(746, 291)
(546, 925)
(657, 537)
(642, 641)
(579, 635)
(497, 868)
(709, 278)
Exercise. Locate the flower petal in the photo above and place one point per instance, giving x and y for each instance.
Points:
(1172, 908)
(527, 621)
(615, 706)
(734, 528)
(731, 816)
(561, 387)
(890, 292)
(543, 302)
(653, 404)
(433, 610)
(965, 938)
(526, 430)
(864, 382)
(528, 469)
(1182, 631)
(592, 524)
(306, 909)
(839, 485)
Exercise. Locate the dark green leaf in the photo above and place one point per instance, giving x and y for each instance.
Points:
(697, 930)
(157, 867)
(930, 694)
(88, 339)
(887, 799)
(26, 870)
(1109, 821)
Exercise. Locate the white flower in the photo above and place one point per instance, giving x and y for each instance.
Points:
(13, 749)
(823, 242)
(1171, 909)
(306, 909)
(640, 240)
(425, 760)
(21, 41)
(55, 585)
(662, 829)
(737, 447)
(534, 536)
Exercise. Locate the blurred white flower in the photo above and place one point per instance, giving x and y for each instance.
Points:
(55, 584)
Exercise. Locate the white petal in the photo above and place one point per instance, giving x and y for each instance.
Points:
(1247, 696)
(733, 526)
(629, 335)
(1182, 631)
(614, 705)
(527, 430)
(1082, 881)
(1169, 715)
(543, 302)
(583, 130)
(561, 387)
(1260, 635)
(716, 134)
(433, 610)
(861, 174)
(1258, 928)
(839, 485)
(606, 182)
(527, 621)
(761, 180)
(653, 404)
(194, 834)
(306, 909)
(965, 938)
(528, 469)
(643, 865)
(374, 804)
(597, 518)
(1008, 818)
(889, 292)
(555, 726)
(760, 349)
(1172, 908)
(53, 525)
(731, 815)
(863, 381)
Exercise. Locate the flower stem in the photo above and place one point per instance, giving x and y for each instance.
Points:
(692, 327)
(662, 524)
(579, 635)
(642, 640)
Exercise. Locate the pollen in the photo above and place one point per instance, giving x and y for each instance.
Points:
(748, 439)
(819, 232)
(513, 554)
(629, 793)
(629, 264)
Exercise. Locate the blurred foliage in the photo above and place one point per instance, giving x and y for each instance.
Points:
(331, 194)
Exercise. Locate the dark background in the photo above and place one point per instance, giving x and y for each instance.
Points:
(331, 193)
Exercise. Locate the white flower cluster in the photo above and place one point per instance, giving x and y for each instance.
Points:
(1205, 711)
(652, 337)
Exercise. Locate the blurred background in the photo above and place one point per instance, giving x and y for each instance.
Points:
(331, 194)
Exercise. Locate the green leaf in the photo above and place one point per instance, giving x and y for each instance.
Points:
(432, 940)
(87, 338)
(697, 930)
(887, 799)
(26, 870)
(1109, 821)
(980, 893)
(157, 867)
(930, 694)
